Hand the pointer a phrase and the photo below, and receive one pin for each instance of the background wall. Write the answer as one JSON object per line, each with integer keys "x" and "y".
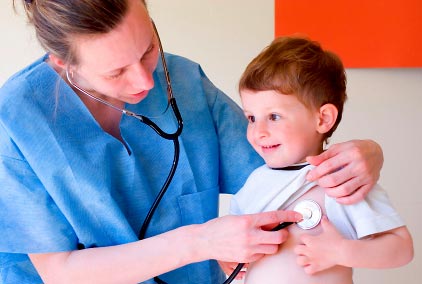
{"x": 384, "y": 104}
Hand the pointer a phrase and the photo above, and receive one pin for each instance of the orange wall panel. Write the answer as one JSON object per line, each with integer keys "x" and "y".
{"x": 364, "y": 33}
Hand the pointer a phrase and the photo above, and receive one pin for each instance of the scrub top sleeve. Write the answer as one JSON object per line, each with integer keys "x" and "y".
{"x": 237, "y": 157}
{"x": 30, "y": 221}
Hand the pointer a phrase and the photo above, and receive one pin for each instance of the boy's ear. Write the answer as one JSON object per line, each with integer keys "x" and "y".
{"x": 326, "y": 118}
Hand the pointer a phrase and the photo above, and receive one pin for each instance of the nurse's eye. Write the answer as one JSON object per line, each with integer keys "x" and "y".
{"x": 251, "y": 118}
{"x": 274, "y": 117}
{"x": 148, "y": 52}
{"x": 150, "y": 49}
{"x": 115, "y": 75}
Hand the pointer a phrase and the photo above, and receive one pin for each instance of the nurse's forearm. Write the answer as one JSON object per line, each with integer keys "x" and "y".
{"x": 128, "y": 263}
{"x": 228, "y": 238}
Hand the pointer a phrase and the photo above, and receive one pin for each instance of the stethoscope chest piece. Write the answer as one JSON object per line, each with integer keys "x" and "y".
{"x": 311, "y": 212}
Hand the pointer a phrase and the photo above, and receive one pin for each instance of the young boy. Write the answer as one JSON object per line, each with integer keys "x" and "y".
{"x": 293, "y": 94}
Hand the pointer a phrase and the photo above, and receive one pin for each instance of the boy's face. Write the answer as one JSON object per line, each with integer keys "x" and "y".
{"x": 281, "y": 129}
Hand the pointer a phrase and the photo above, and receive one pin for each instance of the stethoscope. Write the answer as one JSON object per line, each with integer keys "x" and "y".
{"x": 309, "y": 209}
{"x": 168, "y": 136}
{"x": 311, "y": 213}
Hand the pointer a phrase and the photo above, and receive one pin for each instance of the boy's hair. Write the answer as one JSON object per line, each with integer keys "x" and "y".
{"x": 298, "y": 66}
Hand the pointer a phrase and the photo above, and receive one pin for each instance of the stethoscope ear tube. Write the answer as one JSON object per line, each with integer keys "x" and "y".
{"x": 169, "y": 136}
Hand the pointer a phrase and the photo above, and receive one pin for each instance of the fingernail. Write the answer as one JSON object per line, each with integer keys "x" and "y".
{"x": 298, "y": 216}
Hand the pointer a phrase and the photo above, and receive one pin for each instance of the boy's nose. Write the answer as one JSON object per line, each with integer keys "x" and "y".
{"x": 261, "y": 129}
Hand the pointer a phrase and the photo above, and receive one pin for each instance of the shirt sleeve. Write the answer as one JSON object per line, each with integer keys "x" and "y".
{"x": 29, "y": 218}
{"x": 234, "y": 207}
{"x": 375, "y": 214}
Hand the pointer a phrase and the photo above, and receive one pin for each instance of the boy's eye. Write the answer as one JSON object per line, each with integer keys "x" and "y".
{"x": 251, "y": 118}
{"x": 274, "y": 117}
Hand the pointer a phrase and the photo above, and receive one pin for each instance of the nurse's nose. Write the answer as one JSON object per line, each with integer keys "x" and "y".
{"x": 141, "y": 77}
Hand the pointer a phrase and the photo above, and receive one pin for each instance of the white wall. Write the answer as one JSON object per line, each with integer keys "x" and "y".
{"x": 18, "y": 43}
{"x": 384, "y": 104}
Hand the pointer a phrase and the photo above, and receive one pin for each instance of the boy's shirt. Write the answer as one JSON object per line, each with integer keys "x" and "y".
{"x": 269, "y": 189}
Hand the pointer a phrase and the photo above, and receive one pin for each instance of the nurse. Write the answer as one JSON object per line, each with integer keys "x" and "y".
{"x": 78, "y": 177}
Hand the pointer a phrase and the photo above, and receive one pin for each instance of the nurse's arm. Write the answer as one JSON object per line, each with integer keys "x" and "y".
{"x": 126, "y": 263}
{"x": 228, "y": 238}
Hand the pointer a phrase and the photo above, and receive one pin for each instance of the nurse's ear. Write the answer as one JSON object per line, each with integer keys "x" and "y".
{"x": 327, "y": 117}
{"x": 57, "y": 62}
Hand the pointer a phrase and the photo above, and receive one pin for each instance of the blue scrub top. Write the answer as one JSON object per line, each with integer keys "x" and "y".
{"x": 65, "y": 183}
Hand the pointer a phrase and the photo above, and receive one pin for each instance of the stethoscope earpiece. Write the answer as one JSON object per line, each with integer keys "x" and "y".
{"x": 311, "y": 212}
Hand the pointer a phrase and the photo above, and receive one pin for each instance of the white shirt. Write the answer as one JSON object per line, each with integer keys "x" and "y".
{"x": 268, "y": 189}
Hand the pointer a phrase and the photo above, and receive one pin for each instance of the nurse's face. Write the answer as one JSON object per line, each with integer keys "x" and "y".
{"x": 118, "y": 66}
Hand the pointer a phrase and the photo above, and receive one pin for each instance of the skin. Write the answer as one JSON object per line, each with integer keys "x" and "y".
{"x": 389, "y": 249}
{"x": 284, "y": 132}
{"x": 122, "y": 72}
{"x": 360, "y": 163}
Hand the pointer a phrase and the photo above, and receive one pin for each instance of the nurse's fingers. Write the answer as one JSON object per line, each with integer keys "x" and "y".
{"x": 326, "y": 163}
{"x": 275, "y": 217}
{"x": 353, "y": 197}
{"x": 241, "y": 273}
{"x": 229, "y": 267}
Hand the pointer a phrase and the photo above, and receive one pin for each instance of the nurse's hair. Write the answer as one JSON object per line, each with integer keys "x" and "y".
{"x": 57, "y": 22}
{"x": 298, "y": 66}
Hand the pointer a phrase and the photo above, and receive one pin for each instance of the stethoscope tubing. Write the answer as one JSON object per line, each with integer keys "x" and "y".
{"x": 240, "y": 265}
{"x": 163, "y": 190}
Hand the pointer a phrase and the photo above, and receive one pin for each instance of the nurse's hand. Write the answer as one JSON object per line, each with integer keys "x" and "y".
{"x": 229, "y": 267}
{"x": 243, "y": 239}
{"x": 348, "y": 170}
